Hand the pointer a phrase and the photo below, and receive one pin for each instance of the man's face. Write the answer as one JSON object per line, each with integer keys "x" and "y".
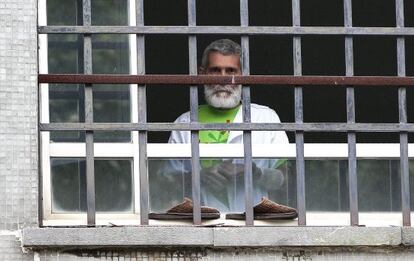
{"x": 223, "y": 96}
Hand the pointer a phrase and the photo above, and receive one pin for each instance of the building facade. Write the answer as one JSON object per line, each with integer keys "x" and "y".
{"x": 40, "y": 221}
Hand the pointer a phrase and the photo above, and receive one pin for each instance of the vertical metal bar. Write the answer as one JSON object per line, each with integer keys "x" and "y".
{"x": 247, "y": 134}
{"x": 142, "y": 118}
{"x": 402, "y": 105}
{"x": 195, "y": 152}
{"x": 90, "y": 168}
{"x": 299, "y": 135}
{"x": 350, "y": 101}
{"x": 404, "y": 167}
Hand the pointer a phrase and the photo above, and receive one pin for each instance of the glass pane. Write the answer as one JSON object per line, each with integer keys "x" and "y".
{"x": 110, "y": 54}
{"x": 64, "y": 12}
{"x": 169, "y": 183}
{"x": 109, "y": 12}
{"x": 68, "y": 185}
{"x": 326, "y": 181}
{"x": 113, "y": 185}
{"x": 104, "y": 12}
{"x": 222, "y": 183}
{"x": 111, "y": 102}
{"x": 326, "y": 185}
{"x": 65, "y": 55}
{"x": 379, "y": 185}
{"x": 65, "y": 106}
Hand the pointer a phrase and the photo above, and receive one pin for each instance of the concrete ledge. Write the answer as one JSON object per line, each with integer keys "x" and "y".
{"x": 117, "y": 236}
{"x": 408, "y": 236}
{"x": 216, "y": 236}
{"x": 307, "y": 236}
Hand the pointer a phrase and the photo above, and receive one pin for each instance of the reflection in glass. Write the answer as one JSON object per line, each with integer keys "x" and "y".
{"x": 104, "y": 12}
{"x": 64, "y": 12}
{"x": 222, "y": 184}
{"x": 112, "y": 103}
{"x": 109, "y": 12}
{"x": 169, "y": 183}
{"x": 113, "y": 185}
{"x": 379, "y": 187}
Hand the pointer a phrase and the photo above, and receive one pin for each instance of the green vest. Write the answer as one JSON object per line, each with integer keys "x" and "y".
{"x": 208, "y": 114}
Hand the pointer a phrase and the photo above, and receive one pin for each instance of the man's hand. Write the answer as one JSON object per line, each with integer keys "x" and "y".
{"x": 219, "y": 176}
{"x": 271, "y": 179}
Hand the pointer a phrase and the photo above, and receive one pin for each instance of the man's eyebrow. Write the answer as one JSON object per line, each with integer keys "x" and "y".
{"x": 223, "y": 67}
{"x": 213, "y": 68}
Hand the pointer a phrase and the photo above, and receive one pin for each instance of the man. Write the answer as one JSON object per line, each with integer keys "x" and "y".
{"x": 222, "y": 181}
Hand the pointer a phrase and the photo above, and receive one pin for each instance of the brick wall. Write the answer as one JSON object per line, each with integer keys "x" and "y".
{"x": 18, "y": 124}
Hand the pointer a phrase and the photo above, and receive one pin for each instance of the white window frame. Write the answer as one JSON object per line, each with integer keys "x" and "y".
{"x": 130, "y": 150}
{"x": 49, "y": 150}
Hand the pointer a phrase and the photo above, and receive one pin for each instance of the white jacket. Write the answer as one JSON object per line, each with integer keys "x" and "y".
{"x": 259, "y": 114}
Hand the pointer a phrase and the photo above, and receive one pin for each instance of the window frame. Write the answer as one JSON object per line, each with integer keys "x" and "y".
{"x": 70, "y": 149}
{"x": 111, "y": 150}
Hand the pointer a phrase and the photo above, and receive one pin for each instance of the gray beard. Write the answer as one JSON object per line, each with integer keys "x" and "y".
{"x": 223, "y": 96}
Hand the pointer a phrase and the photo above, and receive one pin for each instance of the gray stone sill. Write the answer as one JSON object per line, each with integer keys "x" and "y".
{"x": 188, "y": 236}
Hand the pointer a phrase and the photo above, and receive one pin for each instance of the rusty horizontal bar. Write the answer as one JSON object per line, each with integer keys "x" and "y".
{"x": 155, "y": 126}
{"x": 204, "y": 79}
{"x": 229, "y": 30}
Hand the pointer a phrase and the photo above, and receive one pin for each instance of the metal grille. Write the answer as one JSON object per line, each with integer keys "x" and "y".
{"x": 297, "y": 81}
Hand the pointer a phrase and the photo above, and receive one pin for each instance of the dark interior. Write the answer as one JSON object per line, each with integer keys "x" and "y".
{"x": 321, "y": 55}
{"x": 273, "y": 55}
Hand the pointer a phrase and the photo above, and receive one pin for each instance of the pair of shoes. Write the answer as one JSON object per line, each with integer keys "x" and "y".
{"x": 265, "y": 210}
{"x": 184, "y": 210}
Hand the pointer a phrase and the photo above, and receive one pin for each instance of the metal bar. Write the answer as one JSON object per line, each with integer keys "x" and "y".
{"x": 156, "y": 126}
{"x": 350, "y": 101}
{"x": 247, "y": 134}
{"x": 402, "y": 106}
{"x": 228, "y": 30}
{"x": 142, "y": 119}
{"x": 300, "y": 159}
{"x": 352, "y": 174}
{"x": 284, "y": 80}
{"x": 405, "y": 178}
{"x": 195, "y": 151}
{"x": 90, "y": 168}
{"x": 299, "y": 135}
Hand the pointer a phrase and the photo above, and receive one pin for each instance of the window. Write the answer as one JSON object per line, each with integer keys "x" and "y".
{"x": 283, "y": 39}
{"x": 63, "y": 153}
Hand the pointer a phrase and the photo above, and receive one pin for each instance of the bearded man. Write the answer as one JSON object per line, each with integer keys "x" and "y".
{"x": 221, "y": 180}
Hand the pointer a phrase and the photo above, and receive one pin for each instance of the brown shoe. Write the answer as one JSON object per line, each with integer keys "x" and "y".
{"x": 184, "y": 210}
{"x": 267, "y": 210}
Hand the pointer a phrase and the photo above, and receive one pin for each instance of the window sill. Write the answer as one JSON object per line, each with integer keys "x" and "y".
{"x": 313, "y": 218}
{"x": 190, "y": 236}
